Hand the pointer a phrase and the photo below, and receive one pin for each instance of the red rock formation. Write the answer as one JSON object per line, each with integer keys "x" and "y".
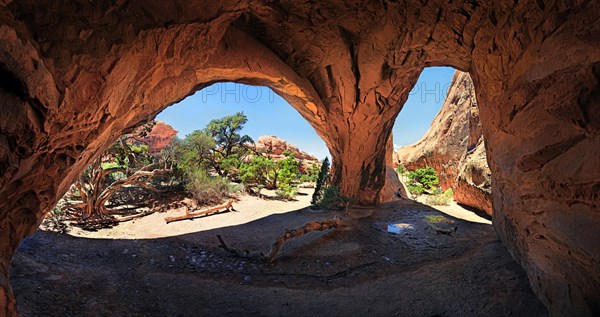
{"x": 159, "y": 137}
{"x": 276, "y": 147}
{"x": 472, "y": 186}
{"x": 454, "y": 147}
{"x": 76, "y": 75}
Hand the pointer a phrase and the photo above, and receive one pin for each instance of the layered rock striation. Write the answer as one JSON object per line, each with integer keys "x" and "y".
{"x": 455, "y": 148}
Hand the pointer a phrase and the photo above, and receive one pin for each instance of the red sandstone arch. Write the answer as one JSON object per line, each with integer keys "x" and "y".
{"x": 76, "y": 75}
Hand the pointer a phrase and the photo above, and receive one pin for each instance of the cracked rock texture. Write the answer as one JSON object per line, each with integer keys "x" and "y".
{"x": 454, "y": 147}
{"x": 74, "y": 75}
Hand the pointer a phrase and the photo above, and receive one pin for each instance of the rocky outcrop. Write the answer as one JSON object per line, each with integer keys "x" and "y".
{"x": 158, "y": 138}
{"x": 472, "y": 186}
{"x": 454, "y": 147}
{"x": 277, "y": 148}
{"x": 76, "y": 75}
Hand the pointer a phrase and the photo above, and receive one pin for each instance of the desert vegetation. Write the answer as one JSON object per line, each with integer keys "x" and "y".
{"x": 207, "y": 167}
{"x": 326, "y": 195}
{"x": 425, "y": 182}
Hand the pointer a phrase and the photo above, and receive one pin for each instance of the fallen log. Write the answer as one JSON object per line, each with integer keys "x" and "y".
{"x": 128, "y": 218}
{"x": 289, "y": 234}
{"x": 299, "y": 232}
{"x": 228, "y": 206}
{"x": 107, "y": 221}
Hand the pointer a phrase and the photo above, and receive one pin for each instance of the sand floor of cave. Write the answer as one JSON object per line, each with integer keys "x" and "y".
{"x": 247, "y": 208}
{"x": 358, "y": 269}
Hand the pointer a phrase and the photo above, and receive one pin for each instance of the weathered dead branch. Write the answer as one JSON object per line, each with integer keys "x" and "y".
{"x": 288, "y": 235}
{"x": 299, "y": 232}
{"x": 228, "y": 206}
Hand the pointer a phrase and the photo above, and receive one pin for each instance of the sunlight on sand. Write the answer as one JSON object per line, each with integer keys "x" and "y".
{"x": 247, "y": 209}
{"x": 457, "y": 211}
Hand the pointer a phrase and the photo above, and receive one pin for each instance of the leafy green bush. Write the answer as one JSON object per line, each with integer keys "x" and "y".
{"x": 311, "y": 174}
{"x": 191, "y": 153}
{"x": 230, "y": 146}
{"x": 449, "y": 192}
{"x": 422, "y": 179}
{"x": 332, "y": 198}
{"x": 107, "y": 165}
{"x": 206, "y": 189}
{"x": 438, "y": 219}
{"x": 327, "y": 196}
{"x": 235, "y": 188}
{"x": 439, "y": 198}
{"x": 322, "y": 181}
{"x": 400, "y": 169}
{"x": 260, "y": 170}
{"x": 288, "y": 170}
{"x": 306, "y": 178}
{"x": 286, "y": 192}
{"x": 416, "y": 189}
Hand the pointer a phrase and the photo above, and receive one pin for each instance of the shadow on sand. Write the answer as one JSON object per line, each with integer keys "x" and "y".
{"x": 358, "y": 269}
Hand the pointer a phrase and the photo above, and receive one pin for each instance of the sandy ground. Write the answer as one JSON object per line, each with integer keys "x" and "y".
{"x": 455, "y": 210}
{"x": 149, "y": 268}
{"x": 247, "y": 208}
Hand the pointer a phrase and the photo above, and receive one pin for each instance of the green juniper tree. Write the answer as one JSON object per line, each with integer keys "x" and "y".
{"x": 230, "y": 146}
{"x": 322, "y": 181}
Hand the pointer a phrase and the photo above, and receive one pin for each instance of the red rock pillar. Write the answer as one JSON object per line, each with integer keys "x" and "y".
{"x": 361, "y": 146}
{"x": 358, "y": 125}
{"x": 359, "y": 165}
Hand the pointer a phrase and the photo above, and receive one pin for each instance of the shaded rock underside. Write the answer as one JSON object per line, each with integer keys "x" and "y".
{"x": 357, "y": 270}
{"x": 76, "y": 75}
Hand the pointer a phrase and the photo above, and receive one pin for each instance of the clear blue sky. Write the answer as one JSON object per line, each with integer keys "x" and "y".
{"x": 424, "y": 102}
{"x": 269, "y": 114}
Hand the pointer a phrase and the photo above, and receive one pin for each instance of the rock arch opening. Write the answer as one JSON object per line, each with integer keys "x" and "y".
{"x": 78, "y": 75}
{"x": 155, "y": 166}
{"x": 452, "y": 145}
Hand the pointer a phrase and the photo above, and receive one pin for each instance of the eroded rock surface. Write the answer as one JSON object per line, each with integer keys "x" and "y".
{"x": 455, "y": 148}
{"x": 76, "y": 75}
{"x": 159, "y": 137}
{"x": 278, "y": 148}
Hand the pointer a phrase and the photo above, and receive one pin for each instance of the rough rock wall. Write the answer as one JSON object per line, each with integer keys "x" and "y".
{"x": 454, "y": 147}
{"x": 76, "y": 75}
{"x": 537, "y": 87}
{"x": 472, "y": 186}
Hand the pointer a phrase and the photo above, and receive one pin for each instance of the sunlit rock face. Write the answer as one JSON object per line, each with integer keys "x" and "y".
{"x": 159, "y": 137}
{"x": 278, "y": 148}
{"x": 76, "y": 75}
{"x": 455, "y": 148}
